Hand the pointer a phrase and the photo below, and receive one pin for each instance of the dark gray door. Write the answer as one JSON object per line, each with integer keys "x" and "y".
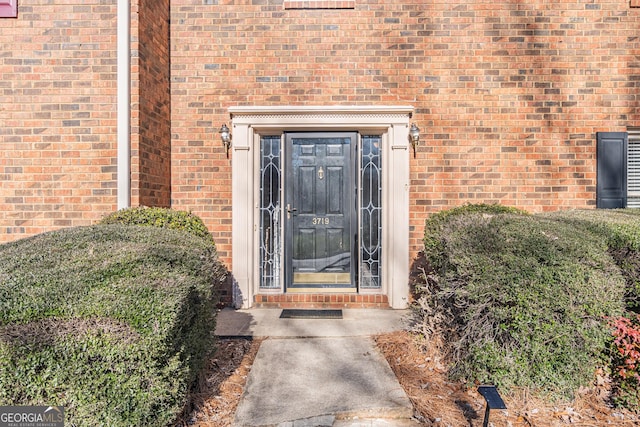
{"x": 320, "y": 211}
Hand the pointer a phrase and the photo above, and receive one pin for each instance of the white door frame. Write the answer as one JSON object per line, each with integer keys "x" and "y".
{"x": 391, "y": 122}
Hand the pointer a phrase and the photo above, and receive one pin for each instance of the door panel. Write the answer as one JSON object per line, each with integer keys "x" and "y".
{"x": 320, "y": 219}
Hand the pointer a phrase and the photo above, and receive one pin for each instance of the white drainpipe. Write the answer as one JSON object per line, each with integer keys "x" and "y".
{"x": 124, "y": 104}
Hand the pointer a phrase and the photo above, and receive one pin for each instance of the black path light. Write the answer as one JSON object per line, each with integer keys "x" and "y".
{"x": 493, "y": 399}
{"x": 225, "y": 135}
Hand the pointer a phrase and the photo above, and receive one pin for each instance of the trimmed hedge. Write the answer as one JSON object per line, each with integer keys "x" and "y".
{"x": 112, "y": 322}
{"x": 620, "y": 229}
{"x": 520, "y": 299}
{"x": 436, "y": 222}
{"x": 162, "y": 218}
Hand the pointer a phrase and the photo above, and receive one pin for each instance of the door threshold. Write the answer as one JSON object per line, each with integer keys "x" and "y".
{"x": 334, "y": 290}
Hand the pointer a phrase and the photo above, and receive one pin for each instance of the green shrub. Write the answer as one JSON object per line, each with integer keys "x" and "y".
{"x": 620, "y": 229}
{"x": 160, "y": 217}
{"x": 521, "y": 299}
{"x": 436, "y": 222}
{"x": 112, "y": 322}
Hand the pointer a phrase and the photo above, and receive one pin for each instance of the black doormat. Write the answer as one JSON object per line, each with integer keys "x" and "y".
{"x": 291, "y": 313}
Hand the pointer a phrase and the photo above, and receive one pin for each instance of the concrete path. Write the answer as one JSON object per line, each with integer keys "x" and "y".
{"x": 319, "y": 372}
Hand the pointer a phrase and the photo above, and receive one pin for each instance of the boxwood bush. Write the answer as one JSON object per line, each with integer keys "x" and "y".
{"x": 160, "y": 217}
{"x": 520, "y": 299}
{"x": 620, "y": 229}
{"x": 111, "y": 321}
{"x": 434, "y": 227}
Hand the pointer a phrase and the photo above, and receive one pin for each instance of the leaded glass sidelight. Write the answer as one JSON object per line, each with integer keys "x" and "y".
{"x": 270, "y": 228}
{"x": 370, "y": 213}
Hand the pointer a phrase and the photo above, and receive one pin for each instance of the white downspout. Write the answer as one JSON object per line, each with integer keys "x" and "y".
{"x": 124, "y": 104}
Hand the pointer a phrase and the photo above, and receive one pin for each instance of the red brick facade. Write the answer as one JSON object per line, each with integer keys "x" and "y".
{"x": 58, "y": 113}
{"x": 57, "y": 116}
{"x": 151, "y": 99}
{"x": 508, "y": 96}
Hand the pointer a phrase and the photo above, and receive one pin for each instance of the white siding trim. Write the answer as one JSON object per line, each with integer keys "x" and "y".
{"x": 124, "y": 104}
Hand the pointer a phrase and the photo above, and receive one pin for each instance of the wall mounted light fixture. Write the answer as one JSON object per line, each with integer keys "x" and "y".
{"x": 414, "y": 134}
{"x": 225, "y": 135}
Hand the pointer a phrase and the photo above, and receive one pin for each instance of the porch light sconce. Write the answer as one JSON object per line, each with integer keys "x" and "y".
{"x": 225, "y": 135}
{"x": 493, "y": 399}
{"x": 414, "y": 134}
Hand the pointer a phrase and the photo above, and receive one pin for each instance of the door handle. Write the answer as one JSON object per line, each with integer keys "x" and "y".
{"x": 290, "y": 210}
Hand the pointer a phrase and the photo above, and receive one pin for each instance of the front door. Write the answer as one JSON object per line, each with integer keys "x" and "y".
{"x": 320, "y": 212}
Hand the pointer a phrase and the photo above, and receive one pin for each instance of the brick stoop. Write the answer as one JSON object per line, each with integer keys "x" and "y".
{"x": 321, "y": 301}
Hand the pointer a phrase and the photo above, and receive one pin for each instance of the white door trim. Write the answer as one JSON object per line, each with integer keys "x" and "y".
{"x": 391, "y": 122}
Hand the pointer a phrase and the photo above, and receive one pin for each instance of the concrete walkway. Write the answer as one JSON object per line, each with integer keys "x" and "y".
{"x": 319, "y": 372}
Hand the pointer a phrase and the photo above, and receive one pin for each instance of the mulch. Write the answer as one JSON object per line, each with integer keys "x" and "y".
{"x": 220, "y": 386}
{"x": 440, "y": 402}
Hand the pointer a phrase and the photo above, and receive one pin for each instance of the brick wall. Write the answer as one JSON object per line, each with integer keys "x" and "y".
{"x": 151, "y": 130}
{"x": 511, "y": 97}
{"x": 57, "y": 115}
{"x": 200, "y": 94}
{"x": 508, "y": 95}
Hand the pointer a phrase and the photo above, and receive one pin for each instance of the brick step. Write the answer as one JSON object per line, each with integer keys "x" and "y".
{"x": 321, "y": 301}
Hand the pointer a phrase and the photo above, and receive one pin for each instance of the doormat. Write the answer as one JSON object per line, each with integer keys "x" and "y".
{"x": 290, "y": 313}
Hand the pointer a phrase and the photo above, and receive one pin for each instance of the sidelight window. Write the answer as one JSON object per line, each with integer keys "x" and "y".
{"x": 370, "y": 212}
{"x": 270, "y": 229}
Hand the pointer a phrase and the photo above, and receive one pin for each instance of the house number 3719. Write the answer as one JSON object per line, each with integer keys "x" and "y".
{"x": 320, "y": 221}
